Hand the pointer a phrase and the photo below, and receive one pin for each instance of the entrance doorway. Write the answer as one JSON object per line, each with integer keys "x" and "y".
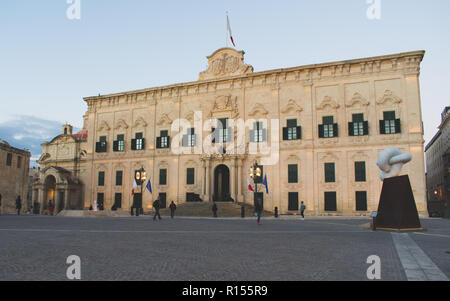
{"x": 221, "y": 184}
{"x": 50, "y": 191}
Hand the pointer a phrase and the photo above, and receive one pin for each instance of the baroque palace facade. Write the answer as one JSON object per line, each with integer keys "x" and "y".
{"x": 324, "y": 125}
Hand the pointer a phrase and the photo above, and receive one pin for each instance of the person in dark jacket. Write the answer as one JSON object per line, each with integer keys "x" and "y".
{"x": 302, "y": 210}
{"x": 214, "y": 209}
{"x": 259, "y": 209}
{"x": 18, "y": 204}
{"x": 172, "y": 207}
{"x": 157, "y": 206}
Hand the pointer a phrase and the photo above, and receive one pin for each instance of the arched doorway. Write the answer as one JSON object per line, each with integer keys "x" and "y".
{"x": 50, "y": 191}
{"x": 221, "y": 183}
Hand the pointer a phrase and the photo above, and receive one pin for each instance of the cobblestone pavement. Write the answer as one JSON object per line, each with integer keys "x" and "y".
{"x": 190, "y": 249}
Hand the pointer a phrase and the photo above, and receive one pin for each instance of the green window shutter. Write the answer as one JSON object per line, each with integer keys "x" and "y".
{"x": 382, "y": 127}
{"x": 398, "y": 127}
{"x": 299, "y": 132}
{"x": 321, "y": 134}
{"x": 366, "y": 128}
{"x": 351, "y": 129}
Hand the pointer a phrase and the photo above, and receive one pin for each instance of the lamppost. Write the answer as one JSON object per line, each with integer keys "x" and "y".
{"x": 256, "y": 175}
{"x": 141, "y": 176}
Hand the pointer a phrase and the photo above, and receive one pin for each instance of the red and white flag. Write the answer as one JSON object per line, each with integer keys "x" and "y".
{"x": 229, "y": 31}
{"x": 134, "y": 187}
{"x": 249, "y": 185}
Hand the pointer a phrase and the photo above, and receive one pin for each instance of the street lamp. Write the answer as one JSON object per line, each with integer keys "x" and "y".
{"x": 141, "y": 176}
{"x": 255, "y": 174}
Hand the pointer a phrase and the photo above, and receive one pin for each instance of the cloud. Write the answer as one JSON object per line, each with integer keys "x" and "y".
{"x": 29, "y": 132}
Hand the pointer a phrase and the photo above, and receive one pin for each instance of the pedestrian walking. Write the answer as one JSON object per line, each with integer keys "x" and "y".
{"x": 214, "y": 209}
{"x": 18, "y": 204}
{"x": 157, "y": 206}
{"x": 172, "y": 207}
{"x": 259, "y": 209}
{"x": 0, "y": 203}
{"x": 302, "y": 210}
{"x": 51, "y": 207}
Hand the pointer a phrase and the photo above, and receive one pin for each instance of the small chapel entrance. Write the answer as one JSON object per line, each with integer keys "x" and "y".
{"x": 221, "y": 184}
{"x": 50, "y": 191}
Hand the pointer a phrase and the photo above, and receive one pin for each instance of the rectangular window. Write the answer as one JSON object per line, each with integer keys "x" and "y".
{"x": 121, "y": 143}
{"x": 101, "y": 146}
{"x": 259, "y": 133}
{"x": 292, "y": 131}
{"x": 19, "y": 162}
{"x": 293, "y": 173}
{"x": 361, "y": 201}
{"x": 328, "y": 129}
{"x": 119, "y": 176}
{"x": 139, "y": 141}
{"x": 190, "y": 175}
{"x": 222, "y": 131}
{"x": 358, "y": 125}
{"x": 390, "y": 125}
{"x": 164, "y": 139}
{"x": 330, "y": 201}
{"x": 9, "y": 159}
{"x": 360, "y": 171}
{"x": 118, "y": 200}
{"x": 330, "y": 173}
{"x": 163, "y": 177}
{"x": 101, "y": 178}
{"x": 100, "y": 201}
{"x": 293, "y": 201}
{"x": 189, "y": 140}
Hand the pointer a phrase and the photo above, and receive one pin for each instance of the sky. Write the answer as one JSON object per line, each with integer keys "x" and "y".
{"x": 49, "y": 62}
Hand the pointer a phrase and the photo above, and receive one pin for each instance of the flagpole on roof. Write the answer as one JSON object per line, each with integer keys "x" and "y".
{"x": 226, "y": 30}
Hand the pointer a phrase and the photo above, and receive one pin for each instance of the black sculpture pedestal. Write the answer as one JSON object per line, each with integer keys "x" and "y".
{"x": 397, "y": 208}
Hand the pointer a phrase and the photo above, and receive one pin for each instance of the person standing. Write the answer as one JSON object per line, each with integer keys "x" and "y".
{"x": 214, "y": 209}
{"x": 302, "y": 210}
{"x": 18, "y": 204}
{"x": 0, "y": 203}
{"x": 259, "y": 209}
{"x": 172, "y": 207}
{"x": 157, "y": 206}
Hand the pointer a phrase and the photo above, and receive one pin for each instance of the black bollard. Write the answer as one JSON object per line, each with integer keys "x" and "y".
{"x": 276, "y": 212}
{"x": 242, "y": 211}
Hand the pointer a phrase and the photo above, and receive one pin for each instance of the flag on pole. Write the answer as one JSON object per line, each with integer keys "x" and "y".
{"x": 265, "y": 184}
{"x": 249, "y": 185}
{"x": 229, "y": 31}
{"x": 149, "y": 186}
{"x": 134, "y": 187}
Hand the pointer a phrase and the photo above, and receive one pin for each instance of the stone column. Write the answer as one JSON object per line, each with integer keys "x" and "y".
{"x": 233, "y": 179}
{"x": 208, "y": 181}
{"x": 240, "y": 196}
{"x": 66, "y": 199}
{"x": 41, "y": 200}
{"x": 57, "y": 200}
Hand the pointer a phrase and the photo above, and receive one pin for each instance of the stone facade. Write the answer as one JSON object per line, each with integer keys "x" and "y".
{"x": 313, "y": 97}
{"x": 438, "y": 168}
{"x": 14, "y": 166}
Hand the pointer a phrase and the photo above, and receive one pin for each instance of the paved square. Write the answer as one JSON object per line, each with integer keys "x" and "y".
{"x": 36, "y": 248}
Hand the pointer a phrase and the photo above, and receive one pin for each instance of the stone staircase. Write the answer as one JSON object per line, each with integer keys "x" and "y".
{"x": 204, "y": 209}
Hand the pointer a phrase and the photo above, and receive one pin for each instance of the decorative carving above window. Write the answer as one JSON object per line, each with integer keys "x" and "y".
{"x": 164, "y": 120}
{"x": 103, "y": 126}
{"x": 328, "y": 101}
{"x": 292, "y": 106}
{"x": 258, "y": 110}
{"x": 389, "y": 96}
{"x": 121, "y": 124}
{"x": 357, "y": 99}
{"x": 140, "y": 122}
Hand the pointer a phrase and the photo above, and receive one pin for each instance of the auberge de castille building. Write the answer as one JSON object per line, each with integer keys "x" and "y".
{"x": 323, "y": 124}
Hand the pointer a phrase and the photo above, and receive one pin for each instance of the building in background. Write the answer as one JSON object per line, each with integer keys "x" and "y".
{"x": 438, "y": 168}
{"x": 14, "y": 169}
{"x": 331, "y": 120}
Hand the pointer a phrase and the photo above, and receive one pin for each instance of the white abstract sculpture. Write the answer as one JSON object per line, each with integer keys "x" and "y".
{"x": 391, "y": 162}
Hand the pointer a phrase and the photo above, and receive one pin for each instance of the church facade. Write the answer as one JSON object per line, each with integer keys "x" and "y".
{"x": 315, "y": 130}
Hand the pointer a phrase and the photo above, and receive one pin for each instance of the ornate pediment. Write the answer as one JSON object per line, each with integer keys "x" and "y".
{"x": 164, "y": 120}
{"x": 140, "y": 122}
{"x": 258, "y": 110}
{"x": 225, "y": 62}
{"x": 103, "y": 126}
{"x": 357, "y": 99}
{"x": 292, "y": 106}
{"x": 121, "y": 124}
{"x": 44, "y": 157}
{"x": 328, "y": 101}
{"x": 225, "y": 103}
{"x": 389, "y": 96}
